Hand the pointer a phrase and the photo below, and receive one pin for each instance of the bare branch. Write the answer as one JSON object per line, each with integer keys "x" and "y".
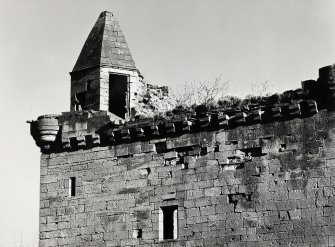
{"x": 200, "y": 92}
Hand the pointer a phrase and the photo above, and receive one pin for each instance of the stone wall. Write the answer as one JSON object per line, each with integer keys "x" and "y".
{"x": 85, "y": 86}
{"x": 92, "y": 87}
{"x": 259, "y": 185}
{"x": 114, "y": 172}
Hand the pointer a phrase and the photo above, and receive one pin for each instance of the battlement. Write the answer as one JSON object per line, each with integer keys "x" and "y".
{"x": 84, "y": 129}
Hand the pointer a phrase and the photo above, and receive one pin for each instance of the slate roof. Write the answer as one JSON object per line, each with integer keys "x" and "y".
{"x": 105, "y": 46}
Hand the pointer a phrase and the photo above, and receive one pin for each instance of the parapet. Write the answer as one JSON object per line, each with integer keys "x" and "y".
{"x": 86, "y": 129}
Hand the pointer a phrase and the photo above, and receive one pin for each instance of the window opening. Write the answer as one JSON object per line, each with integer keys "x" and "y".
{"x": 282, "y": 147}
{"x": 137, "y": 233}
{"x": 72, "y": 186}
{"x": 118, "y": 97}
{"x": 89, "y": 85}
{"x": 168, "y": 223}
{"x": 80, "y": 101}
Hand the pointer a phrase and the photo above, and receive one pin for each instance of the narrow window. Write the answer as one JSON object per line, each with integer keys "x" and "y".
{"x": 89, "y": 85}
{"x": 80, "y": 101}
{"x": 72, "y": 186}
{"x": 168, "y": 223}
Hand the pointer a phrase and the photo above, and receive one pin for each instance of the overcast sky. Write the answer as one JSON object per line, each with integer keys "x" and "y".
{"x": 281, "y": 41}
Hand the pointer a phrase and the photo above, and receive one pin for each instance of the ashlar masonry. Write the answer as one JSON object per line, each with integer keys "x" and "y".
{"x": 262, "y": 175}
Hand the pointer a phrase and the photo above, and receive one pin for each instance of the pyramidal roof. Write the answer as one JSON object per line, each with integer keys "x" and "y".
{"x": 105, "y": 46}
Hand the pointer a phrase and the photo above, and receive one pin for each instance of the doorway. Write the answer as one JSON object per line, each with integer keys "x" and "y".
{"x": 118, "y": 97}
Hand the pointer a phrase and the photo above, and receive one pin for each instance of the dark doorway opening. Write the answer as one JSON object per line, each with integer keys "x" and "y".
{"x": 118, "y": 99}
{"x": 170, "y": 222}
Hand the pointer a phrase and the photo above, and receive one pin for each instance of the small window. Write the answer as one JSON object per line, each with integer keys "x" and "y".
{"x": 89, "y": 85}
{"x": 79, "y": 101}
{"x": 168, "y": 223}
{"x": 137, "y": 233}
{"x": 282, "y": 147}
{"x": 72, "y": 186}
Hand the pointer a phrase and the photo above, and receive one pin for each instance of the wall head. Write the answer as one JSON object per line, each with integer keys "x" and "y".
{"x": 104, "y": 75}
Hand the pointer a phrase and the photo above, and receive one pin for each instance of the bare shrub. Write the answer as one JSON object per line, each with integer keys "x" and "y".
{"x": 199, "y": 97}
{"x": 260, "y": 89}
{"x": 200, "y": 92}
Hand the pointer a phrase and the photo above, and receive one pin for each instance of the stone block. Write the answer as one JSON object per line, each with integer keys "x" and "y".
{"x": 296, "y": 194}
{"x": 134, "y": 148}
{"x": 331, "y": 241}
{"x": 295, "y": 214}
{"x": 192, "y": 212}
{"x": 121, "y": 151}
{"x": 171, "y": 155}
{"x": 147, "y": 147}
{"x": 201, "y": 202}
{"x": 220, "y": 137}
{"x": 183, "y": 142}
{"x": 215, "y": 191}
{"x": 207, "y": 210}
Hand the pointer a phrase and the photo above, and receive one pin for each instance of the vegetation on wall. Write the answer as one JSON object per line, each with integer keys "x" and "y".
{"x": 205, "y": 96}
{"x": 200, "y": 97}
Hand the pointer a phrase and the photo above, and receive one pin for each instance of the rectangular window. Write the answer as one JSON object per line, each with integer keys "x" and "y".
{"x": 72, "y": 186}
{"x": 168, "y": 223}
{"x": 80, "y": 101}
{"x": 137, "y": 233}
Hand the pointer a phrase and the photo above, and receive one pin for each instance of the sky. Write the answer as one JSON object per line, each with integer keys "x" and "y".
{"x": 172, "y": 42}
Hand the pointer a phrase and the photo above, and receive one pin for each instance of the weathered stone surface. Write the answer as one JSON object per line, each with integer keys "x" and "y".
{"x": 263, "y": 175}
{"x": 269, "y": 198}
{"x": 105, "y": 45}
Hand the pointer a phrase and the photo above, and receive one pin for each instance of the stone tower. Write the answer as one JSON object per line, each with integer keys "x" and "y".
{"x": 104, "y": 76}
{"x": 260, "y": 174}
